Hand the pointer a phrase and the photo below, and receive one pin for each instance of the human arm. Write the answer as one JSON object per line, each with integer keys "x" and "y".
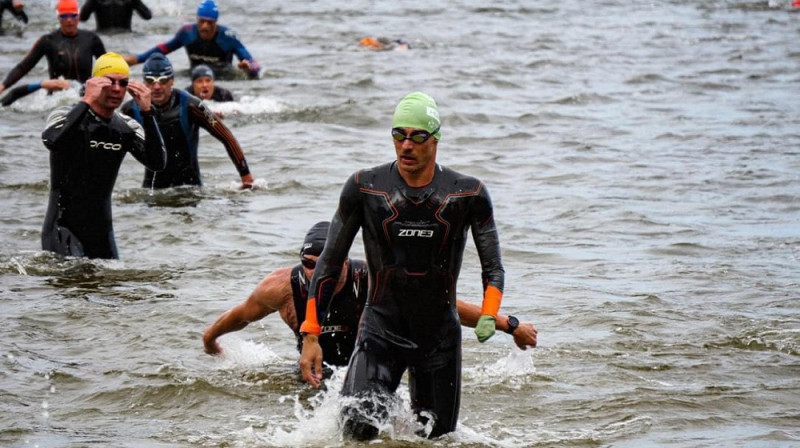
{"x": 487, "y": 242}
{"x": 525, "y": 335}
{"x": 246, "y": 61}
{"x": 60, "y": 124}
{"x": 142, "y": 9}
{"x": 87, "y": 9}
{"x": 208, "y": 121}
{"x": 18, "y": 11}
{"x": 344, "y": 226}
{"x": 274, "y": 293}
{"x": 181, "y": 38}
{"x": 26, "y": 64}
{"x": 153, "y": 154}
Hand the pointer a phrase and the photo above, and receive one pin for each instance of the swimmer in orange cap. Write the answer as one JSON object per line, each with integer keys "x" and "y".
{"x": 383, "y": 44}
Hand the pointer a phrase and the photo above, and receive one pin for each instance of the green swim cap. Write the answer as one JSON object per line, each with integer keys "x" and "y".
{"x": 418, "y": 110}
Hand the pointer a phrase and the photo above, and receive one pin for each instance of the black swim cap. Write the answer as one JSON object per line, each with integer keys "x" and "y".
{"x": 315, "y": 239}
{"x": 157, "y": 65}
{"x": 201, "y": 71}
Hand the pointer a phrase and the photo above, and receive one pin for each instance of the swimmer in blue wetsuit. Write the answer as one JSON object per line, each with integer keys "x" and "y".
{"x": 114, "y": 15}
{"x": 87, "y": 143}
{"x": 414, "y": 216}
{"x": 69, "y": 52}
{"x": 286, "y": 291}
{"x": 180, "y": 117}
{"x": 208, "y": 43}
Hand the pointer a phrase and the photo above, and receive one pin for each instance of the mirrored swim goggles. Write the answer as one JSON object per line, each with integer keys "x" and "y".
{"x": 121, "y": 82}
{"x": 157, "y": 79}
{"x": 419, "y": 136}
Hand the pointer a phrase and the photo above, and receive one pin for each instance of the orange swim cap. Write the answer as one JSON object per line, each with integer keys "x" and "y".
{"x": 370, "y": 42}
{"x": 67, "y": 7}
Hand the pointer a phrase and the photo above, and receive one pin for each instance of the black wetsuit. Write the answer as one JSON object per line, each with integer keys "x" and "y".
{"x": 86, "y": 151}
{"x": 220, "y": 94}
{"x": 414, "y": 240}
{"x": 18, "y": 14}
{"x": 70, "y": 57}
{"x": 113, "y": 15}
{"x": 180, "y": 120}
{"x": 340, "y": 327}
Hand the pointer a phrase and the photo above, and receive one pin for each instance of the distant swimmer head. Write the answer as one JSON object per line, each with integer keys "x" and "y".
{"x": 67, "y": 7}
{"x": 208, "y": 10}
{"x": 202, "y": 71}
{"x": 110, "y": 63}
{"x": 315, "y": 239}
{"x": 157, "y": 65}
{"x": 418, "y": 110}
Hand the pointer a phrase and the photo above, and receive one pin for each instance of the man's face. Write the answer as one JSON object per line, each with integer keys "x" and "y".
{"x": 203, "y": 87}
{"x": 412, "y": 157}
{"x": 113, "y": 94}
{"x": 206, "y": 28}
{"x": 160, "y": 88}
{"x": 68, "y": 24}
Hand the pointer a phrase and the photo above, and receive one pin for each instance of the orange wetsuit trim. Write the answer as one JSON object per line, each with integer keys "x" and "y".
{"x": 311, "y": 325}
{"x": 491, "y": 301}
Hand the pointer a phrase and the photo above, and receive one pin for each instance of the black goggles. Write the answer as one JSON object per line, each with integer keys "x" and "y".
{"x": 415, "y": 136}
{"x": 157, "y": 79}
{"x": 308, "y": 263}
{"x": 120, "y": 82}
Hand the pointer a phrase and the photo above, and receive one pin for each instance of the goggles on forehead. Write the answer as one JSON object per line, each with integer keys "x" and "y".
{"x": 157, "y": 79}
{"x": 419, "y": 136}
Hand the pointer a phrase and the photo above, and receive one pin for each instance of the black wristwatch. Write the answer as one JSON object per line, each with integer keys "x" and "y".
{"x": 513, "y": 323}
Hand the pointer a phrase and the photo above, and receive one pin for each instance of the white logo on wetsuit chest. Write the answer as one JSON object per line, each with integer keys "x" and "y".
{"x": 421, "y": 233}
{"x": 105, "y": 145}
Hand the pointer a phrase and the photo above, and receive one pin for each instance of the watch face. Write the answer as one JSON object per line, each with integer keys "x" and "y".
{"x": 513, "y": 323}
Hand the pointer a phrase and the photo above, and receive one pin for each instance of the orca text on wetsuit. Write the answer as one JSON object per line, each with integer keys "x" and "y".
{"x": 86, "y": 151}
{"x": 114, "y": 14}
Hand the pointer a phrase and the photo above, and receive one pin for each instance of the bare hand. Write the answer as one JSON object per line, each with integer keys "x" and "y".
{"x": 56, "y": 84}
{"x": 211, "y": 346}
{"x": 525, "y": 335}
{"x": 244, "y": 64}
{"x": 247, "y": 182}
{"x": 94, "y": 87}
{"x": 140, "y": 94}
{"x": 311, "y": 360}
{"x": 130, "y": 59}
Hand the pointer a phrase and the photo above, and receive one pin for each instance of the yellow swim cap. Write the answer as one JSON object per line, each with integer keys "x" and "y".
{"x": 110, "y": 63}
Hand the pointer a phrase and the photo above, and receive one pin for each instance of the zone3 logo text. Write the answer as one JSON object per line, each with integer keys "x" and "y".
{"x": 422, "y": 233}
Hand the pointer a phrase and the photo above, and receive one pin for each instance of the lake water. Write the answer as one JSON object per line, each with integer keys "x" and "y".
{"x": 644, "y": 162}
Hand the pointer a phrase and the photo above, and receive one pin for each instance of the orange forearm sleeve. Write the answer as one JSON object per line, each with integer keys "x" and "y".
{"x": 491, "y": 301}
{"x": 311, "y": 325}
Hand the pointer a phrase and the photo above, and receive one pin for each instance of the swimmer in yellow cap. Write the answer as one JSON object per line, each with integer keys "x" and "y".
{"x": 87, "y": 144}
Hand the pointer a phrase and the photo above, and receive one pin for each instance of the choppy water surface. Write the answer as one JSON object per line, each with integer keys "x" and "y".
{"x": 643, "y": 159}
